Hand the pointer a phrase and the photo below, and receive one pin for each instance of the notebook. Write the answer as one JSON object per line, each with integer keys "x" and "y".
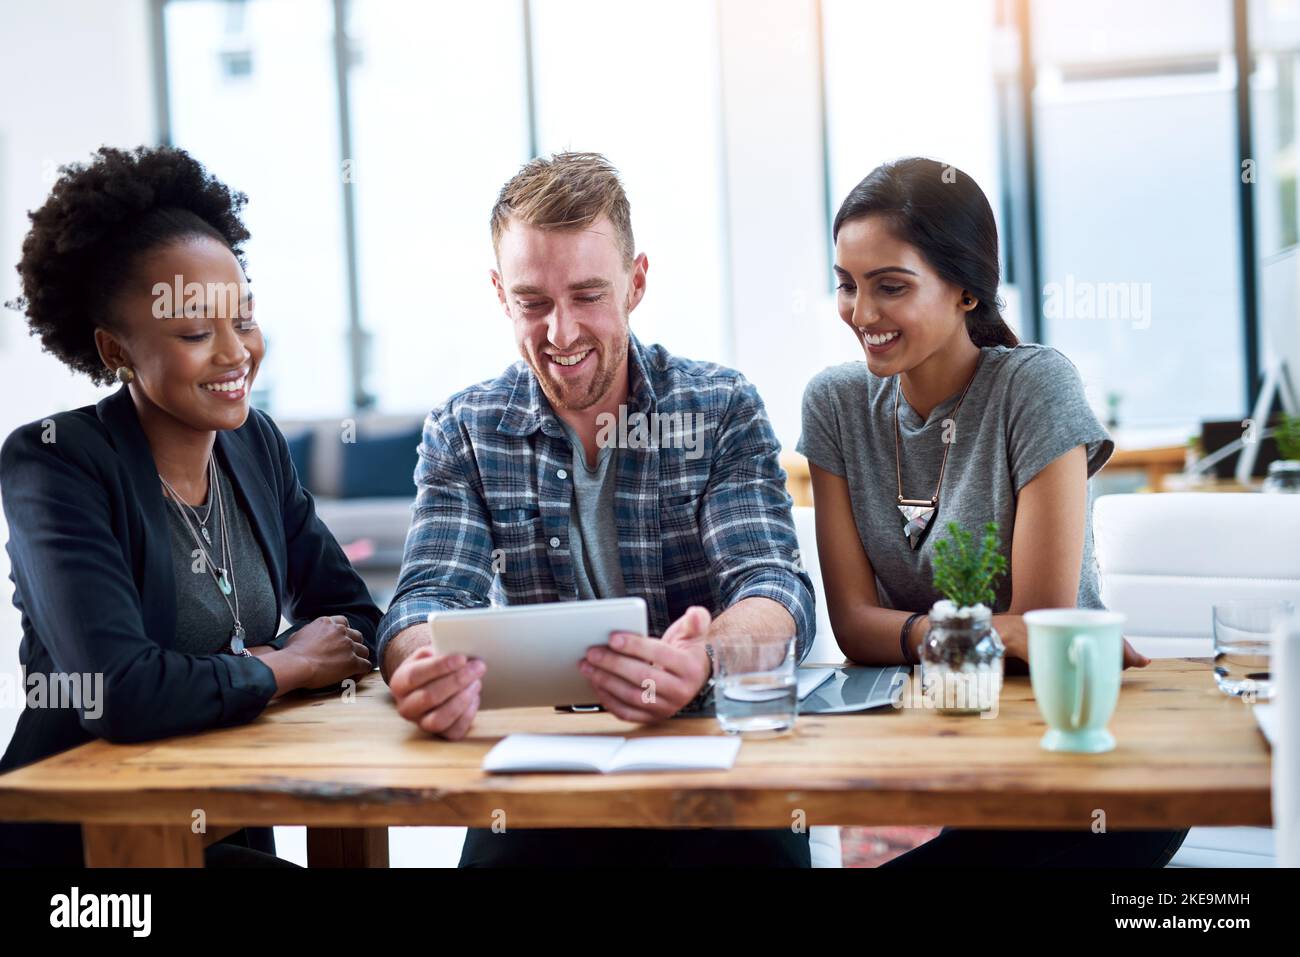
{"x": 607, "y": 754}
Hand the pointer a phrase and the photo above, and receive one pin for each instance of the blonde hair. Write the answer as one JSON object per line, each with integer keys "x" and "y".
{"x": 565, "y": 191}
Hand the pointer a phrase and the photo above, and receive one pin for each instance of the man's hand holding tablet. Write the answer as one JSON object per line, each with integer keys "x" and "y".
{"x": 643, "y": 679}
{"x": 634, "y": 677}
{"x": 440, "y": 693}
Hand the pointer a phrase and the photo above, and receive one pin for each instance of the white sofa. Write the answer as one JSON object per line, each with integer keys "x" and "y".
{"x": 824, "y": 649}
{"x": 1165, "y": 560}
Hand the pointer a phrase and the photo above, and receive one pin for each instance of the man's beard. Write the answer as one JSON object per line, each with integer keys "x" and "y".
{"x": 562, "y": 394}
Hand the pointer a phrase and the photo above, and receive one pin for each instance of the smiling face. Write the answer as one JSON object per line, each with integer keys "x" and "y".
{"x": 194, "y": 356}
{"x": 569, "y": 293}
{"x": 900, "y": 310}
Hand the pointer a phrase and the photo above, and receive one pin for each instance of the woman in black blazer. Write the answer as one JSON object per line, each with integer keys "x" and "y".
{"x": 133, "y": 523}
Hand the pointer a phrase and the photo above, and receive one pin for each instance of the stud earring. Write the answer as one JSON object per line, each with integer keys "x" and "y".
{"x": 125, "y": 374}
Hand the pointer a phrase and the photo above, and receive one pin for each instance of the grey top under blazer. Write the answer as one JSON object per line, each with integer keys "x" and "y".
{"x": 91, "y": 557}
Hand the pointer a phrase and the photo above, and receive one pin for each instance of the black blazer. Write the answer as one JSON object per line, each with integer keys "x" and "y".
{"x": 91, "y": 558}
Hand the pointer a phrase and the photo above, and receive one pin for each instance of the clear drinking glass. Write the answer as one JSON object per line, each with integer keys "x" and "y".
{"x": 1243, "y": 644}
{"x": 756, "y": 691}
{"x": 1283, "y": 477}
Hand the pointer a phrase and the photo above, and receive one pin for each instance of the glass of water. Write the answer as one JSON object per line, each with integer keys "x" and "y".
{"x": 756, "y": 691}
{"x": 1243, "y": 645}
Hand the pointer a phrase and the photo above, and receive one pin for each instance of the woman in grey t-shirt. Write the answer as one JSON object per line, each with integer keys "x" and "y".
{"x": 949, "y": 407}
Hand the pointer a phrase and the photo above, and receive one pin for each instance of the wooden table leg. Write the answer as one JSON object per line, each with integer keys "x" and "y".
{"x": 347, "y": 847}
{"x": 141, "y": 845}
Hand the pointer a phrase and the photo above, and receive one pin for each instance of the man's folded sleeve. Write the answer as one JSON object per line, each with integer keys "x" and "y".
{"x": 746, "y": 522}
{"x": 447, "y": 562}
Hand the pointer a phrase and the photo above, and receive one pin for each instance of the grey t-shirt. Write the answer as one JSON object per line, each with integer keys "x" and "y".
{"x": 593, "y": 533}
{"x": 203, "y": 619}
{"x": 1025, "y": 409}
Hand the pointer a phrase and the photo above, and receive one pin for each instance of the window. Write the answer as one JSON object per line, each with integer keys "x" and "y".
{"x": 252, "y": 96}
{"x": 910, "y": 79}
{"x": 439, "y": 122}
{"x": 655, "y": 115}
{"x": 1138, "y": 205}
{"x": 442, "y": 111}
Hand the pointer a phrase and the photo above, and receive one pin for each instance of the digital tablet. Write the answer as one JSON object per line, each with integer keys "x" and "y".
{"x": 532, "y": 651}
{"x": 846, "y": 689}
{"x": 854, "y": 688}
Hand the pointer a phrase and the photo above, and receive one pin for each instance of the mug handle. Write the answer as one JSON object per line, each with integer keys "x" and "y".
{"x": 1079, "y": 655}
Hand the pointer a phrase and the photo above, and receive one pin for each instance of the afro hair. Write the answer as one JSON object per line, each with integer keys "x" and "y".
{"x": 99, "y": 219}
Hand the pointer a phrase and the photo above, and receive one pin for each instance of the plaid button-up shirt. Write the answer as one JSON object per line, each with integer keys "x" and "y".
{"x": 703, "y": 520}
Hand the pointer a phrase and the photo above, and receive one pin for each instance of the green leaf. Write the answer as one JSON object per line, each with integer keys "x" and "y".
{"x": 965, "y": 573}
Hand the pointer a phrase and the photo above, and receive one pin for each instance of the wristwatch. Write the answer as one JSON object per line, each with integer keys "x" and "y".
{"x": 704, "y": 697}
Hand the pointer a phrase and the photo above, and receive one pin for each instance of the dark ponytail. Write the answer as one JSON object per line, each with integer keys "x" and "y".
{"x": 942, "y": 212}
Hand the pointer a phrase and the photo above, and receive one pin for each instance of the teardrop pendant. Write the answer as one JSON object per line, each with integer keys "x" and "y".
{"x": 223, "y": 583}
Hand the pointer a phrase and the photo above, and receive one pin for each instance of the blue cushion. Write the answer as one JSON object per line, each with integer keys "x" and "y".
{"x": 300, "y": 447}
{"x": 380, "y": 467}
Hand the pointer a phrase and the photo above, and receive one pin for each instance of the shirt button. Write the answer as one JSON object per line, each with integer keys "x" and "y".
{"x": 555, "y": 543}
{"x": 562, "y": 474}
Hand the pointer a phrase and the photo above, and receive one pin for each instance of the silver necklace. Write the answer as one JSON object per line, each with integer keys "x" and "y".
{"x": 201, "y": 519}
{"x": 222, "y": 576}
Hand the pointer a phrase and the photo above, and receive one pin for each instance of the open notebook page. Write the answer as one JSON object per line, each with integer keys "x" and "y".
{"x": 607, "y": 753}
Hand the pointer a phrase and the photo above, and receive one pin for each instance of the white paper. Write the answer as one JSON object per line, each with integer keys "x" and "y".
{"x": 552, "y": 752}
{"x": 677, "y": 753}
{"x": 810, "y": 679}
{"x": 607, "y": 753}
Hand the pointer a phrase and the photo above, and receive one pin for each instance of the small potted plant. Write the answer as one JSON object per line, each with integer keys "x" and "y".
{"x": 961, "y": 656}
{"x": 1284, "y": 474}
{"x": 1113, "y": 400}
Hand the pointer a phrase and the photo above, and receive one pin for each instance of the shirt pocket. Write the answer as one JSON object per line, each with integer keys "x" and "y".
{"x": 688, "y": 576}
{"x": 683, "y": 503}
{"x": 517, "y": 542}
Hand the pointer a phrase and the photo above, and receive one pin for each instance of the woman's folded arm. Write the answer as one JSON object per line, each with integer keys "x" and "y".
{"x": 75, "y": 586}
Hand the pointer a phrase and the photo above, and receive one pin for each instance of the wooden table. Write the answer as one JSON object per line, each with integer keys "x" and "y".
{"x": 1187, "y": 755}
{"x": 1154, "y": 463}
{"x": 798, "y": 478}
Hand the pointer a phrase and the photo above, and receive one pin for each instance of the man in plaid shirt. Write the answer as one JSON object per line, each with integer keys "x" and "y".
{"x": 597, "y": 467}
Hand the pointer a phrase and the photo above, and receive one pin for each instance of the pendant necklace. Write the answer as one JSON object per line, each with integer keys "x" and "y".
{"x": 221, "y": 575}
{"x": 919, "y": 513}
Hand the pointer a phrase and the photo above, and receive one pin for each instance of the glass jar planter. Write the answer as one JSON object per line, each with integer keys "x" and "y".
{"x": 961, "y": 660}
{"x": 1283, "y": 476}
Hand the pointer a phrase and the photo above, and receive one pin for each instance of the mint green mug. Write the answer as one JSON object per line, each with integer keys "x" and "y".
{"x": 1076, "y": 656}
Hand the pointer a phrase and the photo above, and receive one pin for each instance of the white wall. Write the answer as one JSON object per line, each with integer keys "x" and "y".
{"x": 75, "y": 75}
